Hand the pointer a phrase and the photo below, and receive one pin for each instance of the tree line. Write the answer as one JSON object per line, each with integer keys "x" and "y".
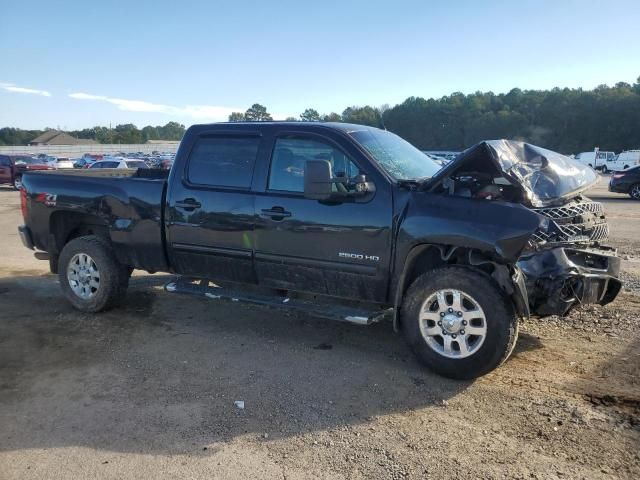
{"x": 125, "y": 133}
{"x": 562, "y": 119}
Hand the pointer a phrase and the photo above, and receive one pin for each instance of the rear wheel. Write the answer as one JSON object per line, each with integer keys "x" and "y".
{"x": 458, "y": 322}
{"x": 17, "y": 183}
{"x": 605, "y": 170}
{"x": 90, "y": 275}
{"x": 634, "y": 191}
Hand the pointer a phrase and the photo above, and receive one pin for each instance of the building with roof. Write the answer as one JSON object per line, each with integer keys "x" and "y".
{"x": 55, "y": 137}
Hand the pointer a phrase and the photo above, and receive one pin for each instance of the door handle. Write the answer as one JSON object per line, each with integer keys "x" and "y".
{"x": 276, "y": 213}
{"x": 188, "y": 204}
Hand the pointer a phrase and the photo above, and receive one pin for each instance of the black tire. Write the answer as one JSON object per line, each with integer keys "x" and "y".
{"x": 604, "y": 169}
{"x": 17, "y": 182}
{"x": 500, "y": 319}
{"x": 634, "y": 191}
{"x": 113, "y": 277}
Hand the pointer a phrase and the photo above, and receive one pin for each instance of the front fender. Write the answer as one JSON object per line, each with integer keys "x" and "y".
{"x": 498, "y": 231}
{"x": 499, "y": 228}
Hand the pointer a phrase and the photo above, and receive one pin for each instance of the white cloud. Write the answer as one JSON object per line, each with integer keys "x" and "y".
{"x": 86, "y": 96}
{"x": 9, "y": 87}
{"x": 198, "y": 112}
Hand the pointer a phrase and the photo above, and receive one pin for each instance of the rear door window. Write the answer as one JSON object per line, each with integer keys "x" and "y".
{"x": 223, "y": 161}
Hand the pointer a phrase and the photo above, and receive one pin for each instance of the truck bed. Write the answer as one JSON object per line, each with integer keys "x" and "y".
{"x": 128, "y": 204}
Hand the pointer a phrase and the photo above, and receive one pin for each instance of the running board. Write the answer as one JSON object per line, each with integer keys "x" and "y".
{"x": 333, "y": 312}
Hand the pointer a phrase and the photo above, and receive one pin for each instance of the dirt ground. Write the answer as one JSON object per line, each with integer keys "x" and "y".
{"x": 148, "y": 390}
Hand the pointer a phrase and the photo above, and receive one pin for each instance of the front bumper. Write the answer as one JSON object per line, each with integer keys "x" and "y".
{"x": 560, "y": 278}
{"x": 25, "y": 236}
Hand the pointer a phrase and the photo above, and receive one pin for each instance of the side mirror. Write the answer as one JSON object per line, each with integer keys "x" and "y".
{"x": 318, "y": 180}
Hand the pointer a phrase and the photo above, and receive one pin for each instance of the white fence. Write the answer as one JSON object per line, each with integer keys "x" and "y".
{"x": 74, "y": 151}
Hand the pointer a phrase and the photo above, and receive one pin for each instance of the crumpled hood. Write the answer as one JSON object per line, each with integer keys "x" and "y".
{"x": 545, "y": 176}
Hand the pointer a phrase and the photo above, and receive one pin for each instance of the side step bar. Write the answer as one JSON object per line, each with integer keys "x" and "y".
{"x": 333, "y": 312}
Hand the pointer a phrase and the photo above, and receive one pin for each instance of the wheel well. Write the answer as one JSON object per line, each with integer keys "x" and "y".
{"x": 429, "y": 257}
{"x": 436, "y": 256}
{"x": 65, "y": 226}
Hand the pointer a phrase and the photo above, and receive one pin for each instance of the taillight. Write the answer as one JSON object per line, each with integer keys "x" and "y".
{"x": 23, "y": 202}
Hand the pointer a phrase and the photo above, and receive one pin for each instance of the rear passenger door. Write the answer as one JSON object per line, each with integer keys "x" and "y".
{"x": 210, "y": 208}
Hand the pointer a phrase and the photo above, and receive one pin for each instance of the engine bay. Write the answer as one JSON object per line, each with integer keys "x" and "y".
{"x": 481, "y": 185}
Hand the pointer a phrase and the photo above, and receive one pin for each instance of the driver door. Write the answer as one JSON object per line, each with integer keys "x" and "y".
{"x": 331, "y": 248}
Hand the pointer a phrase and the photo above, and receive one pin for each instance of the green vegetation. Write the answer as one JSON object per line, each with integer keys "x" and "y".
{"x": 127, "y": 133}
{"x": 255, "y": 113}
{"x": 566, "y": 120}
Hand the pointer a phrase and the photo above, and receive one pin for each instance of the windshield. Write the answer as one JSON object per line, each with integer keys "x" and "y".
{"x": 398, "y": 157}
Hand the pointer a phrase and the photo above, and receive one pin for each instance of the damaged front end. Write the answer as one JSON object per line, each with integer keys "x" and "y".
{"x": 564, "y": 263}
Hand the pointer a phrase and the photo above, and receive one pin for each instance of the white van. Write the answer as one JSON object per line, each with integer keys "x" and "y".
{"x": 595, "y": 159}
{"x": 624, "y": 160}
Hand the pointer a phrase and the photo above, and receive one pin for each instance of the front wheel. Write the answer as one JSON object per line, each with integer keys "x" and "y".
{"x": 634, "y": 191}
{"x": 17, "y": 183}
{"x": 90, "y": 275}
{"x": 458, "y": 322}
{"x": 605, "y": 170}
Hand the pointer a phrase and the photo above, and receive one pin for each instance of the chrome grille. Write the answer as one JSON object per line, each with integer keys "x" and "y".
{"x": 579, "y": 222}
{"x": 573, "y": 210}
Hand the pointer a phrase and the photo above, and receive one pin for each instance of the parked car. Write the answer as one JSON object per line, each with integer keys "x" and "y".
{"x": 627, "y": 181}
{"x": 343, "y": 221}
{"x": 64, "y": 162}
{"x": 119, "y": 163}
{"x": 13, "y": 166}
{"x": 595, "y": 159}
{"x": 624, "y": 160}
{"x": 7, "y": 170}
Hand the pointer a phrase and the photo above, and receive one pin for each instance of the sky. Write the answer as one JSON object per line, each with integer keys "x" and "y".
{"x": 78, "y": 64}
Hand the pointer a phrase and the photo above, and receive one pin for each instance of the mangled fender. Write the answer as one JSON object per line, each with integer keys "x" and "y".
{"x": 500, "y": 229}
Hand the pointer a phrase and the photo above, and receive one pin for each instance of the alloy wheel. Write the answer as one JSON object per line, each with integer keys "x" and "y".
{"x": 83, "y": 276}
{"x": 453, "y": 323}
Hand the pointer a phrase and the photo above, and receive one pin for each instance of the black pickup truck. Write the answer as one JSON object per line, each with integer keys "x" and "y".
{"x": 343, "y": 221}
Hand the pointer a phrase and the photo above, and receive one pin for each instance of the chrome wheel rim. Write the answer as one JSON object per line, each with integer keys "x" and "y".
{"x": 453, "y": 323}
{"x": 17, "y": 183}
{"x": 83, "y": 276}
{"x": 635, "y": 192}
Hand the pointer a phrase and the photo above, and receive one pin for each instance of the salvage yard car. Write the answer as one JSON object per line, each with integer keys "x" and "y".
{"x": 342, "y": 221}
{"x": 627, "y": 181}
{"x": 13, "y": 166}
